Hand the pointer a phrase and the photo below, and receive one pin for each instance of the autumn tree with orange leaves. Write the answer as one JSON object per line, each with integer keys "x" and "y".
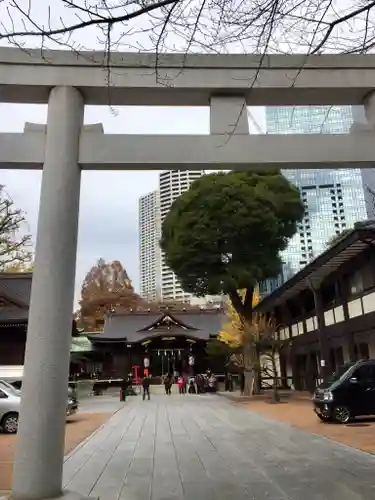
{"x": 106, "y": 288}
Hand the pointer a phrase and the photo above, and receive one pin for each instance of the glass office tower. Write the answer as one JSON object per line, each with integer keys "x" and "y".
{"x": 333, "y": 199}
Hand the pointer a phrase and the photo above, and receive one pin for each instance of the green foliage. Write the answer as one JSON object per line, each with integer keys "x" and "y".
{"x": 216, "y": 348}
{"x": 337, "y": 237}
{"x": 226, "y": 232}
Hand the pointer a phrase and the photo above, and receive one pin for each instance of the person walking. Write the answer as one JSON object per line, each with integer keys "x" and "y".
{"x": 180, "y": 385}
{"x": 192, "y": 389}
{"x": 185, "y": 378}
{"x": 168, "y": 384}
{"x": 146, "y": 387}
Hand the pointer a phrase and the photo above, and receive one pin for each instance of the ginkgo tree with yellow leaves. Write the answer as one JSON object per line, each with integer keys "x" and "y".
{"x": 252, "y": 343}
{"x": 242, "y": 336}
{"x": 225, "y": 234}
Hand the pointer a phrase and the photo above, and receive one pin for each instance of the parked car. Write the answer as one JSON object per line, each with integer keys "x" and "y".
{"x": 348, "y": 393}
{"x": 10, "y": 400}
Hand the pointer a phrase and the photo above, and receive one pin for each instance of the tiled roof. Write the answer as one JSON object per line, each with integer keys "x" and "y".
{"x": 16, "y": 286}
{"x": 345, "y": 249}
{"x": 135, "y": 327}
{"x": 13, "y": 314}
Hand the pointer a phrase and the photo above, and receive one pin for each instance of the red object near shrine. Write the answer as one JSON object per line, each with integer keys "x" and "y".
{"x": 135, "y": 372}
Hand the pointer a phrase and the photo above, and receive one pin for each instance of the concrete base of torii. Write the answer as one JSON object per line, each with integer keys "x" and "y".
{"x": 65, "y": 495}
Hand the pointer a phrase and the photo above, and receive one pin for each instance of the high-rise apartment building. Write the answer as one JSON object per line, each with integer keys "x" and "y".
{"x": 149, "y": 248}
{"x": 172, "y": 184}
{"x": 333, "y": 199}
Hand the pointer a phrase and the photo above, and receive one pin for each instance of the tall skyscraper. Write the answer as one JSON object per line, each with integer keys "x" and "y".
{"x": 149, "y": 248}
{"x": 333, "y": 199}
{"x": 309, "y": 119}
{"x": 368, "y": 174}
{"x": 172, "y": 184}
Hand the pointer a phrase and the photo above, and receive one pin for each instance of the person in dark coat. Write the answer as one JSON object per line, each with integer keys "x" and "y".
{"x": 192, "y": 387}
{"x": 146, "y": 387}
{"x": 168, "y": 384}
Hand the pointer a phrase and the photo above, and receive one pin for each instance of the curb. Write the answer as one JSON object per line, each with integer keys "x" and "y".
{"x": 87, "y": 438}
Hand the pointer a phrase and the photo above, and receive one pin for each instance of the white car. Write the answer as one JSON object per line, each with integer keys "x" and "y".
{"x": 10, "y": 401}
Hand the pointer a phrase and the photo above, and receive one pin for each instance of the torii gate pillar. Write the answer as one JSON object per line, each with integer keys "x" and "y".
{"x": 40, "y": 445}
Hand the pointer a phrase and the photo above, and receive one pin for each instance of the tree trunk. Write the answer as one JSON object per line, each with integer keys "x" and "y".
{"x": 242, "y": 307}
{"x": 275, "y": 390}
{"x": 257, "y": 375}
{"x": 249, "y": 383}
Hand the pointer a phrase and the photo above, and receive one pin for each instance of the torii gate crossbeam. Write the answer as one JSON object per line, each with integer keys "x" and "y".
{"x": 99, "y": 151}
{"x": 26, "y": 76}
{"x": 68, "y": 81}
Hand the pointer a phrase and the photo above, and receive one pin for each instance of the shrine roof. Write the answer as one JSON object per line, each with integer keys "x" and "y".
{"x": 10, "y": 315}
{"x": 15, "y": 292}
{"x": 136, "y": 327}
{"x": 16, "y": 286}
{"x": 15, "y": 289}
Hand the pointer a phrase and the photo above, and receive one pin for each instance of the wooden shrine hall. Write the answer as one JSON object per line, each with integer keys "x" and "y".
{"x": 157, "y": 342}
{"x": 15, "y": 290}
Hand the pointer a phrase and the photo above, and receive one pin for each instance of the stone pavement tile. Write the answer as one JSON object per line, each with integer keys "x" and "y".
{"x": 206, "y": 448}
{"x": 299, "y": 413}
{"x": 229, "y": 490}
{"x": 135, "y": 488}
{"x": 82, "y": 469}
{"x": 192, "y": 471}
{"x": 161, "y": 490}
{"x": 331, "y": 488}
{"x": 78, "y": 457}
{"x": 199, "y": 490}
{"x": 110, "y": 482}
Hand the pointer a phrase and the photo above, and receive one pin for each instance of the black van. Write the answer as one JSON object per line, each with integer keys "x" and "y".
{"x": 348, "y": 393}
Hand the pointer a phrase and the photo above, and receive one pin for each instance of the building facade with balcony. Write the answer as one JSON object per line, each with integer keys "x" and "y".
{"x": 326, "y": 312}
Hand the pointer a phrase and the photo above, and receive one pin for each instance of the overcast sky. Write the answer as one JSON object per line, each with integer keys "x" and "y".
{"x": 108, "y": 225}
{"x": 109, "y": 200}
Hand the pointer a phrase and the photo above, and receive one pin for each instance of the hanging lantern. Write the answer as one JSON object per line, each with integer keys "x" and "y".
{"x": 158, "y": 353}
{"x": 191, "y": 360}
{"x": 146, "y": 362}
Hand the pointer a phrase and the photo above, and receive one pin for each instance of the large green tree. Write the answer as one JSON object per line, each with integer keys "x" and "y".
{"x": 226, "y": 232}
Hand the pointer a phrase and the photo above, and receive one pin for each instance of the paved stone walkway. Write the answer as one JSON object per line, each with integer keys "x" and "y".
{"x": 205, "y": 448}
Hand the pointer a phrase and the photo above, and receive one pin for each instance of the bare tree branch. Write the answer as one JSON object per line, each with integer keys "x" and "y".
{"x": 15, "y": 247}
{"x": 94, "y": 19}
{"x": 217, "y": 26}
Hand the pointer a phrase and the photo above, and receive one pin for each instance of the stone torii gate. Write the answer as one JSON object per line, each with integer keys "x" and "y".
{"x": 67, "y": 81}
